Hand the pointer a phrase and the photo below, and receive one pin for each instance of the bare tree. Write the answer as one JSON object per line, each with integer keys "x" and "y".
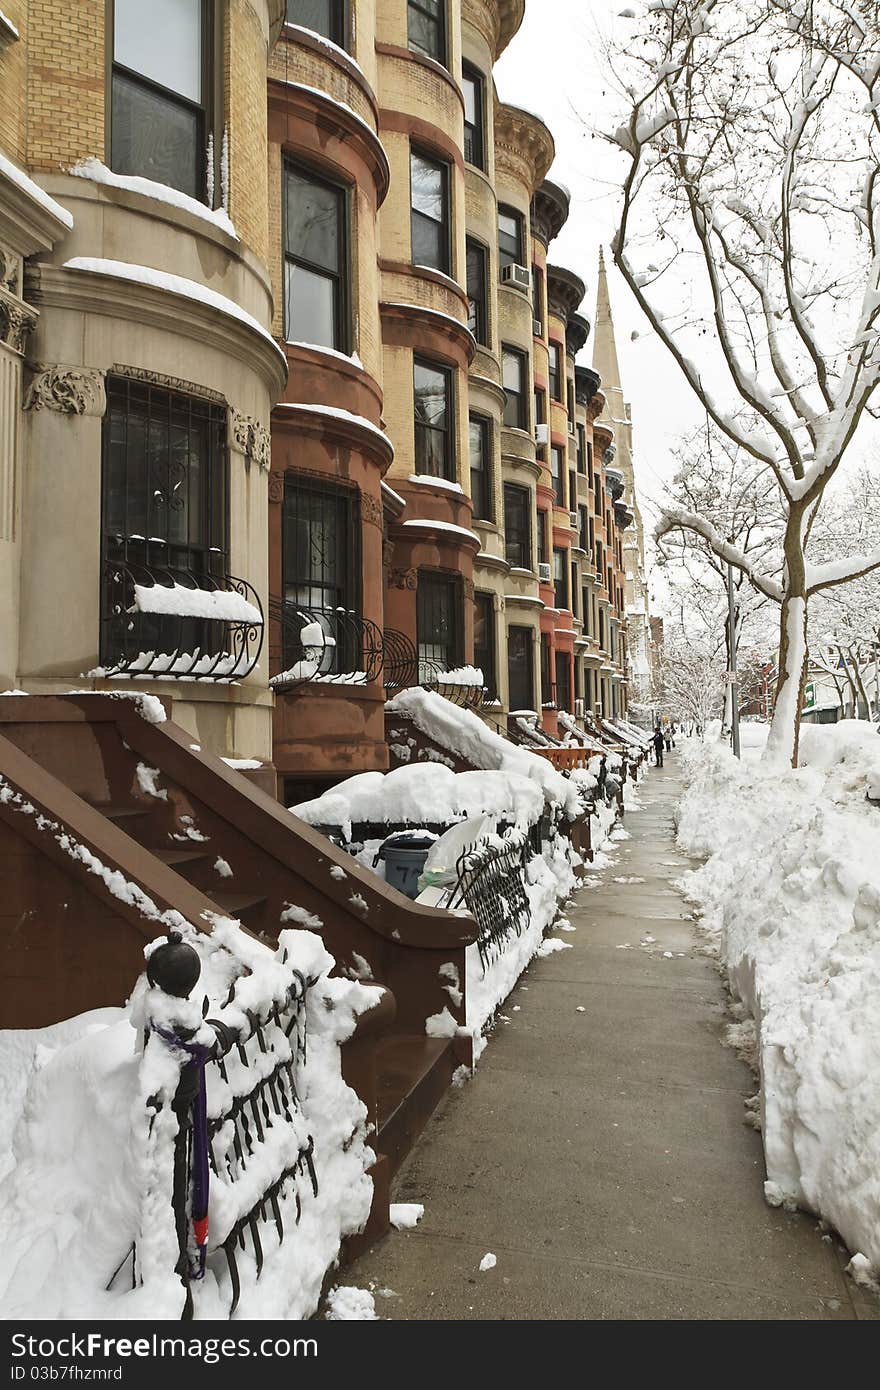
{"x": 749, "y": 236}
{"x": 691, "y": 677}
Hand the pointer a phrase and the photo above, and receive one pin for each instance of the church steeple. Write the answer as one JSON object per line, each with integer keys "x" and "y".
{"x": 604, "y": 347}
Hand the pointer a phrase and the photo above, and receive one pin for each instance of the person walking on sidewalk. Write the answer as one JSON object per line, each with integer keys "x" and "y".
{"x": 658, "y": 746}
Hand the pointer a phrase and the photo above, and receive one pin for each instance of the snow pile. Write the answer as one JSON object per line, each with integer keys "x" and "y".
{"x": 464, "y": 733}
{"x": 791, "y": 896}
{"x": 186, "y": 601}
{"x": 89, "y": 1177}
{"x": 424, "y": 793}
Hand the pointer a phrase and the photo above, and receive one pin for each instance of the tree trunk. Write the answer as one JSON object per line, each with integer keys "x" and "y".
{"x": 782, "y": 741}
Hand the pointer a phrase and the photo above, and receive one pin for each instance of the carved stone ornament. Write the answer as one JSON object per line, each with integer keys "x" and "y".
{"x": 387, "y": 553}
{"x": 69, "y": 390}
{"x": 404, "y": 579}
{"x": 276, "y": 487}
{"x": 250, "y": 438}
{"x": 16, "y": 322}
{"x": 371, "y": 510}
{"x": 468, "y": 586}
{"x": 10, "y": 270}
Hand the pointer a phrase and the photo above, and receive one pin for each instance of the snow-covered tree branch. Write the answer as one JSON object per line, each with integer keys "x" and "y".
{"x": 749, "y": 234}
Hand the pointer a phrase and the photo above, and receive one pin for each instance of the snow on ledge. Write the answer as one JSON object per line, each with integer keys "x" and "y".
{"x": 96, "y": 172}
{"x": 443, "y": 526}
{"x": 173, "y": 284}
{"x": 350, "y": 357}
{"x": 222, "y": 604}
{"x": 7, "y": 24}
{"x": 34, "y": 191}
{"x": 333, "y": 412}
{"x": 431, "y": 481}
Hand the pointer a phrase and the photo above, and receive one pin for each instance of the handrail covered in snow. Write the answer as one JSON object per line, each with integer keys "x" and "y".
{"x": 177, "y": 623}
{"x": 491, "y": 883}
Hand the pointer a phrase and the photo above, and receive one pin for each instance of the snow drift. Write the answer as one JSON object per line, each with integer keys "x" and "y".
{"x": 790, "y": 894}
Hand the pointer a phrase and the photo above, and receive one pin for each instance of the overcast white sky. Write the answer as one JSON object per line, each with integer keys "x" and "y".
{"x": 556, "y": 67}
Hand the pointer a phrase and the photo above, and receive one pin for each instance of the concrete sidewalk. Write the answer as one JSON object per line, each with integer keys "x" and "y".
{"x": 602, "y": 1156}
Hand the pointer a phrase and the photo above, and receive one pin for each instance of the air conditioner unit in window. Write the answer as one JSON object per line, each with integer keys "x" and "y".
{"x": 578, "y": 709}
{"x": 514, "y": 274}
{"x": 575, "y": 521}
{"x": 537, "y": 330}
{"x": 542, "y": 434}
{"x": 544, "y": 574}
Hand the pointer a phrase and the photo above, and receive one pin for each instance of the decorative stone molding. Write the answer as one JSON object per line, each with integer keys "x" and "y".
{"x": 468, "y": 587}
{"x": 168, "y": 383}
{"x": 10, "y": 270}
{"x": 276, "y": 487}
{"x": 371, "y": 510}
{"x": 524, "y": 147}
{"x": 404, "y": 579}
{"x": 549, "y": 211}
{"x": 69, "y": 390}
{"x": 249, "y": 437}
{"x": 16, "y": 322}
{"x": 387, "y": 553}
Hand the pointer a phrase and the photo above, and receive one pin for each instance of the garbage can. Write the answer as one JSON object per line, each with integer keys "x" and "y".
{"x": 404, "y": 855}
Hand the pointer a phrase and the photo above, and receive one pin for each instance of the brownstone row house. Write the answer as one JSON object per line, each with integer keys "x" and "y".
{"x": 280, "y": 327}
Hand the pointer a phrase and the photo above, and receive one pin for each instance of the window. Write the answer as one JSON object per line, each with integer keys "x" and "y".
{"x": 538, "y": 297}
{"x": 484, "y": 643}
{"x": 514, "y": 375}
{"x": 560, "y": 580}
{"x": 315, "y": 261}
{"x": 474, "y": 120}
{"x": 426, "y": 28}
{"x": 584, "y": 529}
{"x": 517, "y": 526}
{"x": 520, "y": 672}
{"x": 556, "y": 371}
{"x": 546, "y": 678}
{"x": 164, "y": 507}
{"x": 160, "y": 86}
{"x": 439, "y": 625}
{"x": 574, "y": 588}
{"x": 324, "y": 17}
{"x": 581, "y": 449}
{"x": 432, "y": 394}
{"x": 570, "y": 407}
{"x": 563, "y": 681}
{"x": 540, "y": 407}
{"x": 320, "y": 566}
{"x": 572, "y": 490}
{"x": 557, "y": 471}
{"x": 510, "y": 236}
{"x": 542, "y": 538}
{"x": 478, "y": 317}
{"x": 585, "y": 610}
{"x": 481, "y": 475}
{"x": 589, "y": 463}
{"x": 429, "y": 221}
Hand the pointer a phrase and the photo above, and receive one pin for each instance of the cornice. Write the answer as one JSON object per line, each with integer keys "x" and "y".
{"x": 565, "y": 290}
{"x": 577, "y": 331}
{"x": 586, "y": 386}
{"x": 147, "y": 305}
{"x": 550, "y": 209}
{"x": 524, "y": 146}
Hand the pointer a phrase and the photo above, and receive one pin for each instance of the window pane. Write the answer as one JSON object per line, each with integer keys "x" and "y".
{"x": 313, "y": 220}
{"x": 512, "y": 372}
{"x": 425, "y": 28}
{"x": 430, "y": 395}
{"x": 161, "y": 41}
{"x": 427, "y": 186}
{"x": 322, "y": 16}
{"x": 310, "y": 306}
{"x": 477, "y": 440}
{"x": 427, "y": 243}
{"x": 154, "y": 137}
{"x": 476, "y": 291}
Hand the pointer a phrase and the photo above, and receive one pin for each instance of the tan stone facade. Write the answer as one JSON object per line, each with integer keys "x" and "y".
{"x": 134, "y": 312}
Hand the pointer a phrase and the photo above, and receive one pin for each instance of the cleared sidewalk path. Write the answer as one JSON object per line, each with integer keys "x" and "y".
{"x": 602, "y": 1156}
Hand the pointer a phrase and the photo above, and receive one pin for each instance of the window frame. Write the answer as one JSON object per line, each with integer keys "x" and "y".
{"x": 448, "y": 431}
{"x": 481, "y": 318}
{"x": 560, "y": 600}
{"x": 442, "y": 22}
{"x": 538, "y": 296}
{"x": 451, "y": 583}
{"x": 484, "y": 424}
{"x": 486, "y": 600}
{"x": 521, "y": 396}
{"x": 507, "y": 209}
{"x": 417, "y": 151}
{"x": 558, "y": 479}
{"x": 556, "y": 375}
{"x": 211, "y": 108}
{"x": 525, "y": 637}
{"x": 472, "y": 74}
{"x": 342, "y": 317}
{"x": 523, "y": 558}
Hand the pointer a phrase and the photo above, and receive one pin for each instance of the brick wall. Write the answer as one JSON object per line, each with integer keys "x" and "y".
{"x": 65, "y": 83}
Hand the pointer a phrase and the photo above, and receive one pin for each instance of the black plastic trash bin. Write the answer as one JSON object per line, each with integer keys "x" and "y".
{"x": 404, "y": 857}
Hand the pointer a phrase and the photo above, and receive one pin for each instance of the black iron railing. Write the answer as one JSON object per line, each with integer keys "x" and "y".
{"x": 251, "y": 1083}
{"x": 176, "y": 623}
{"x": 404, "y": 667}
{"x": 491, "y": 883}
{"x": 333, "y": 645}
